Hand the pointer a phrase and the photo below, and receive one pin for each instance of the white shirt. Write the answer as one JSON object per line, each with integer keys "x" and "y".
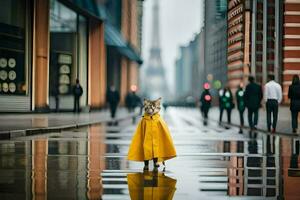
{"x": 273, "y": 91}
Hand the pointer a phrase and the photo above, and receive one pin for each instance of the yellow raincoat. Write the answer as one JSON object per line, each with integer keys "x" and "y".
{"x": 150, "y": 186}
{"x": 152, "y": 139}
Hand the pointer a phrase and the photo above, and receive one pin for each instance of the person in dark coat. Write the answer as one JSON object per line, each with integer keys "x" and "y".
{"x": 205, "y": 101}
{"x": 132, "y": 100}
{"x": 56, "y": 96}
{"x": 227, "y": 104}
{"x": 113, "y": 99}
{"x": 239, "y": 95}
{"x": 221, "y": 106}
{"x": 252, "y": 98}
{"x": 77, "y": 92}
{"x": 294, "y": 95}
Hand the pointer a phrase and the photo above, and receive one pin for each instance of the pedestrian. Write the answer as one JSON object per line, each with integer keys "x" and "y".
{"x": 152, "y": 139}
{"x": 132, "y": 100}
{"x": 252, "y": 98}
{"x": 239, "y": 95}
{"x": 227, "y": 104}
{"x": 77, "y": 92}
{"x": 56, "y": 96}
{"x": 205, "y": 100}
{"x": 129, "y": 101}
{"x": 273, "y": 97}
{"x": 294, "y": 95}
{"x": 221, "y": 106}
{"x": 113, "y": 98}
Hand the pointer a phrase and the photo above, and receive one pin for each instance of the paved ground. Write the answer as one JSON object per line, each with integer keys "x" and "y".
{"x": 213, "y": 162}
{"x": 17, "y": 124}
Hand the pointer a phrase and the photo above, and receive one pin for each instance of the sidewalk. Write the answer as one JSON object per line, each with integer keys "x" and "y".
{"x": 14, "y": 125}
{"x": 283, "y": 124}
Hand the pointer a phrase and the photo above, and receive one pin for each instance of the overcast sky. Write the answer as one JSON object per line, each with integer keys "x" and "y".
{"x": 179, "y": 21}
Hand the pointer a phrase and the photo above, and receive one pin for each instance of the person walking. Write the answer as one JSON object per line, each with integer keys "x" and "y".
{"x": 129, "y": 101}
{"x": 252, "y": 98}
{"x": 113, "y": 98}
{"x": 294, "y": 96}
{"x": 205, "y": 100}
{"x": 77, "y": 92}
{"x": 239, "y": 95}
{"x": 132, "y": 100}
{"x": 227, "y": 104}
{"x": 273, "y": 97}
{"x": 221, "y": 105}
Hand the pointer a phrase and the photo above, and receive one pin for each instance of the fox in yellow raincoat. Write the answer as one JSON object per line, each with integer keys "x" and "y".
{"x": 152, "y": 139}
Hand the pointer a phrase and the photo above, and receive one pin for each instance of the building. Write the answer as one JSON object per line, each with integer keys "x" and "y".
{"x": 290, "y": 43}
{"x": 239, "y": 35}
{"x": 263, "y": 39}
{"x": 123, "y": 62}
{"x": 45, "y": 45}
{"x": 215, "y": 28}
{"x": 189, "y": 68}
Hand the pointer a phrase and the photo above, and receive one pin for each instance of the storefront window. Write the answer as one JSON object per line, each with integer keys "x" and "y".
{"x": 63, "y": 32}
{"x": 12, "y": 47}
{"x": 68, "y": 53}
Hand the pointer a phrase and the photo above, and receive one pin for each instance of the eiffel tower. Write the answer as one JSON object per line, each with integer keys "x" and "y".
{"x": 156, "y": 85}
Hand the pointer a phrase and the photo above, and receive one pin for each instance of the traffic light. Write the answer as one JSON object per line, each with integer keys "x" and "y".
{"x": 133, "y": 88}
{"x": 207, "y": 97}
{"x": 240, "y": 93}
{"x": 206, "y": 86}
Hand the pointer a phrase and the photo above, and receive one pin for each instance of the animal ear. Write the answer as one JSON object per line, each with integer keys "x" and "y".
{"x": 158, "y": 100}
{"x": 146, "y": 102}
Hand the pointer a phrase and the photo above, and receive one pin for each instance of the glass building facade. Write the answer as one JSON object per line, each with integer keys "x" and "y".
{"x": 68, "y": 55}
{"x": 15, "y": 56}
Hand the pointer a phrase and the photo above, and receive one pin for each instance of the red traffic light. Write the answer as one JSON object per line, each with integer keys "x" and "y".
{"x": 207, "y": 97}
{"x": 206, "y": 86}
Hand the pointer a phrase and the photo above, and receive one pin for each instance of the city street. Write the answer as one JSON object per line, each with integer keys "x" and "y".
{"x": 213, "y": 162}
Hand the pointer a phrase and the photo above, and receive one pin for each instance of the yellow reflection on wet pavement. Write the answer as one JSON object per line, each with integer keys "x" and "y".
{"x": 151, "y": 185}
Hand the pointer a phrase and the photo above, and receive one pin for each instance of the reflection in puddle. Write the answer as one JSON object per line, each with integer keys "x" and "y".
{"x": 270, "y": 167}
{"x": 93, "y": 167}
{"x": 151, "y": 185}
{"x": 45, "y": 169}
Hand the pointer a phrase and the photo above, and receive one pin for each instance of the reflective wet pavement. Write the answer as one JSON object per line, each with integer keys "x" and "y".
{"x": 90, "y": 163}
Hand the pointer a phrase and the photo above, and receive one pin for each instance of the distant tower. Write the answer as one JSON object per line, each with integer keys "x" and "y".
{"x": 156, "y": 85}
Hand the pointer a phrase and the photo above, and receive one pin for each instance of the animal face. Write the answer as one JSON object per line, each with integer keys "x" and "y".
{"x": 152, "y": 107}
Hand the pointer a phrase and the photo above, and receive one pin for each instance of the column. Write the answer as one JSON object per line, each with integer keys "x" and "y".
{"x": 97, "y": 65}
{"x": 265, "y": 38}
{"x": 253, "y": 41}
{"x": 278, "y": 35}
{"x": 41, "y": 55}
{"x": 132, "y": 74}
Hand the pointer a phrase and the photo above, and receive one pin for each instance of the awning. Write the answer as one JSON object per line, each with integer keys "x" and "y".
{"x": 89, "y": 8}
{"x": 114, "y": 38}
{"x": 112, "y": 35}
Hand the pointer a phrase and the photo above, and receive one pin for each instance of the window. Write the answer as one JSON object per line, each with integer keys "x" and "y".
{"x": 68, "y": 53}
{"x": 68, "y": 36}
{"x": 12, "y": 47}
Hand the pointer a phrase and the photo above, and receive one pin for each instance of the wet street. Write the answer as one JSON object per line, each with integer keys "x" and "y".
{"x": 213, "y": 162}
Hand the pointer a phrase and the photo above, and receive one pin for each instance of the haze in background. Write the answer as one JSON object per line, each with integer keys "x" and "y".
{"x": 179, "y": 21}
